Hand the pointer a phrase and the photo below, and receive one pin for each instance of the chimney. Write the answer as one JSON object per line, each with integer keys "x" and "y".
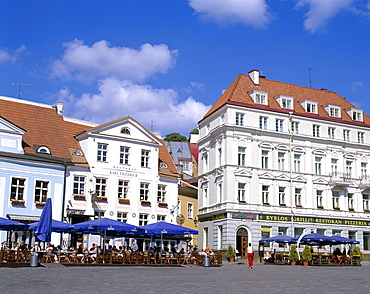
{"x": 59, "y": 108}
{"x": 255, "y": 76}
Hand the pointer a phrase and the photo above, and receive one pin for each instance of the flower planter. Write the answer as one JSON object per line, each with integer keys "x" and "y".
{"x": 232, "y": 259}
{"x": 145, "y": 203}
{"x": 366, "y": 210}
{"x": 351, "y": 209}
{"x": 293, "y": 262}
{"x": 40, "y": 204}
{"x": 320, "y": 207}
{"x": 305, "y": 263}
{"x": 124, "y": 201}
{"x": 79, "y": 197}
{"x": 101, "y": 199}
{"x": 18, "y": 202}
{"x": 336, "y": 208}
{"x": 162, "y": 205}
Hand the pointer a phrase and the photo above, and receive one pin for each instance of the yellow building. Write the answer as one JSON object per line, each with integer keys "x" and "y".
{"x": 188, "y": 208}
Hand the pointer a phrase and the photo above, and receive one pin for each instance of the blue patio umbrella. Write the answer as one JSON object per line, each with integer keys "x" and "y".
{"x": 342, "y": 240}
{"x": 44, "y": 227}
{"x": 10, "y": 225}
{"x": 168, "y": 229}
{"x": 280, "y": 239}
{"x": 56, "y": 226}
{"x": 109, "y": 226}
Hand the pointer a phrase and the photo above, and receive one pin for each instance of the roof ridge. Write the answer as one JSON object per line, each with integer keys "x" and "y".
{"x": 17, "y": 100}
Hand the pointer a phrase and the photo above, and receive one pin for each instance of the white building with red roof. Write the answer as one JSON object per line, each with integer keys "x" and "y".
{"x": 277, "y": 158}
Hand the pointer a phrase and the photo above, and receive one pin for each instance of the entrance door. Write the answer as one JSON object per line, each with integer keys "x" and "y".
{"x": 244, "y": 249}
{"x": 242, "y": 242}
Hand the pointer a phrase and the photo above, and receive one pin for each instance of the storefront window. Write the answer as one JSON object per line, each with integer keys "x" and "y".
{"x": 366, "y": 241}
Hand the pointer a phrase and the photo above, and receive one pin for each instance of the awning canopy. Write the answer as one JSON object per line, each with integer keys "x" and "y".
{"x": 18, "y": 217}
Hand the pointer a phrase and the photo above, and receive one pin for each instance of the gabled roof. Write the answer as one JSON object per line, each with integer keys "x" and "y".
{"x": 237, "y": 94}
{"x": 164, "y": 156}
{"x": 43, "y": 126}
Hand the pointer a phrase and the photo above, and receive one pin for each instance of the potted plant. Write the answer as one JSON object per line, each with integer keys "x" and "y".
{"x": 230, "y": 253}
{"x": 293, "y": 255}
{"x": 306, "y": 255}
{"x": 357, "y": 254}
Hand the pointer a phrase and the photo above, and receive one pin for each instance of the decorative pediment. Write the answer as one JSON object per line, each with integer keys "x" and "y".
{"x": 218, "y": 172}
{"x": 300, "y": 179}
{"x": 242, "y": 173}
{"x": 10, "y": 137}
{"x": 320, "y": 181}
{"x": 266, "y": 176}
{"x": 282, "y": 177}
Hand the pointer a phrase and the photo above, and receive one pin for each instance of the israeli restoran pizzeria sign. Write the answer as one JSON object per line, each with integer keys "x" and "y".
{"x": 313, "y": 220}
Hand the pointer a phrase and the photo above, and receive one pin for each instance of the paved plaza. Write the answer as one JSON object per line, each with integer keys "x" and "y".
{"x": 230, "y": 278}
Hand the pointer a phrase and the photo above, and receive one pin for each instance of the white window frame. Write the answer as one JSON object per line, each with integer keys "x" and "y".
{"x": 349, "y": 169}
{"x": 297, "y": 160}
{"x": 41, "y": 191}
{"x": 366, "y": 201}
{"x": 241, "y": 192}
{"x": 335, "y": 195}
{"x": 122, "y": 216}
{"x": 350, "y": 200}
{"x": 361, "y": 137}
{"x": 265, "y": 194}
{"x": 282, "y": 195}
{"x": 143, "y": 219}
{"x": 281, "y": 160}
{"x": 145, "y": 155}
{"x": 298, "y": 197}
{"x": 363, "y": 170}
{"x": 239, "y": 119}
{"x": 144, "y": 191}
{"x": 346, "y": 135}
{"x": 241, "y": 155}
{"x": 319, "y": 198}
{"x": 124, "y": 155}
{"x": 102, "y": 152}
{"x": 295, "y": 127}
{"x": 316, "y": 130}
{"x": 79, "y": 183}
{"x": 318, "y": 165}
{"x": 161, "y": 193}
{"x": 101, "y": 187}
{"x": 279, "y": 125}
{"x": 263, "y": 122}
{"x": 331, "y": 133}
{"x": 265, "y": 158}
{"x": 123, "y": 189}
{"x": 190, "y": 210}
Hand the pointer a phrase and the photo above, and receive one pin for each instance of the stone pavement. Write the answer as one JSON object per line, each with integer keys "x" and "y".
{"x": 230, "y": 278}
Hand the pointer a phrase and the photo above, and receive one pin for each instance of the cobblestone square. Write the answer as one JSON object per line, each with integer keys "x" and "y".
{"x": 230, "y": 278}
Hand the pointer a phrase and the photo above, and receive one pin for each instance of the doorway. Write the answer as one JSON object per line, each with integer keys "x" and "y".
{"x": 242, "y": 242}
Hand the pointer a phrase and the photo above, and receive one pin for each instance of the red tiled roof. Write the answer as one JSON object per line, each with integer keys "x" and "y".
{"x": 237, "y": 94}
{"x": 43, "y": 126}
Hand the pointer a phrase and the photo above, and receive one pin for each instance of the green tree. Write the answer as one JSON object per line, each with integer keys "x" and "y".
{"x": 293, "y": 254}
{"x": 175, "y": 137}
{"x": 194, "y": 131}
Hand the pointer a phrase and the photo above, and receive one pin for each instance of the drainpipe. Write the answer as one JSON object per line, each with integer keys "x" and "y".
{"x": 291, "y": 169}
{"x": 64, "y": 197}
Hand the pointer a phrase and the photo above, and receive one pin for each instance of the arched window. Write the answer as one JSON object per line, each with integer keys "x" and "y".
{"x": 125, "y": 131}
{"x": 43, "y": 149}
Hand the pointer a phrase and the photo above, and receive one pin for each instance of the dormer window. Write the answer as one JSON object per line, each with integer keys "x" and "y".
{"x": 259, "y": 97}
{"x": 43, "y": 149}
{"x": 285, "y": 101}
{"x": 125, "y": 131}
{"x": 77, "y": 152}
{"x": 333, "y": 110}
{"x": 355, "y": 114}
{"x": 309, "y": 106}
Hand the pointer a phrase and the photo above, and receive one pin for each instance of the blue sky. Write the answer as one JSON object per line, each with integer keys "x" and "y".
{"x": 165, "y": 62}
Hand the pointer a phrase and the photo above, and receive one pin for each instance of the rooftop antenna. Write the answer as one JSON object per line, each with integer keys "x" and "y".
{"x": 311, "y": 74}
{"x": 152, "y": 126}
{"x": 20, "y": 88}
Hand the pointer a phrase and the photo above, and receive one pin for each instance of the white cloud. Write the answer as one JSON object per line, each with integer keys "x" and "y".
{"x": 356, "y": 85}
{"x": 321, "y": 11}
{"x": 249, "y": 12}
{"x": 11, "y": 55}
{"x": 117, "y": 98}
{"x": 193, "y": 87}
{"x": 86, "y": 63}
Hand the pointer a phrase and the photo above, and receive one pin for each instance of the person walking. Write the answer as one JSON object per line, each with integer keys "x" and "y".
{"x": 250, "y": 255}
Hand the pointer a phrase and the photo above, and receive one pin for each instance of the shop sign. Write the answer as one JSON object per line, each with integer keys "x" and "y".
{"x": 314, "y": 220}
{"x": 244, "y": 215}
{"x": 76, "y": 212}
